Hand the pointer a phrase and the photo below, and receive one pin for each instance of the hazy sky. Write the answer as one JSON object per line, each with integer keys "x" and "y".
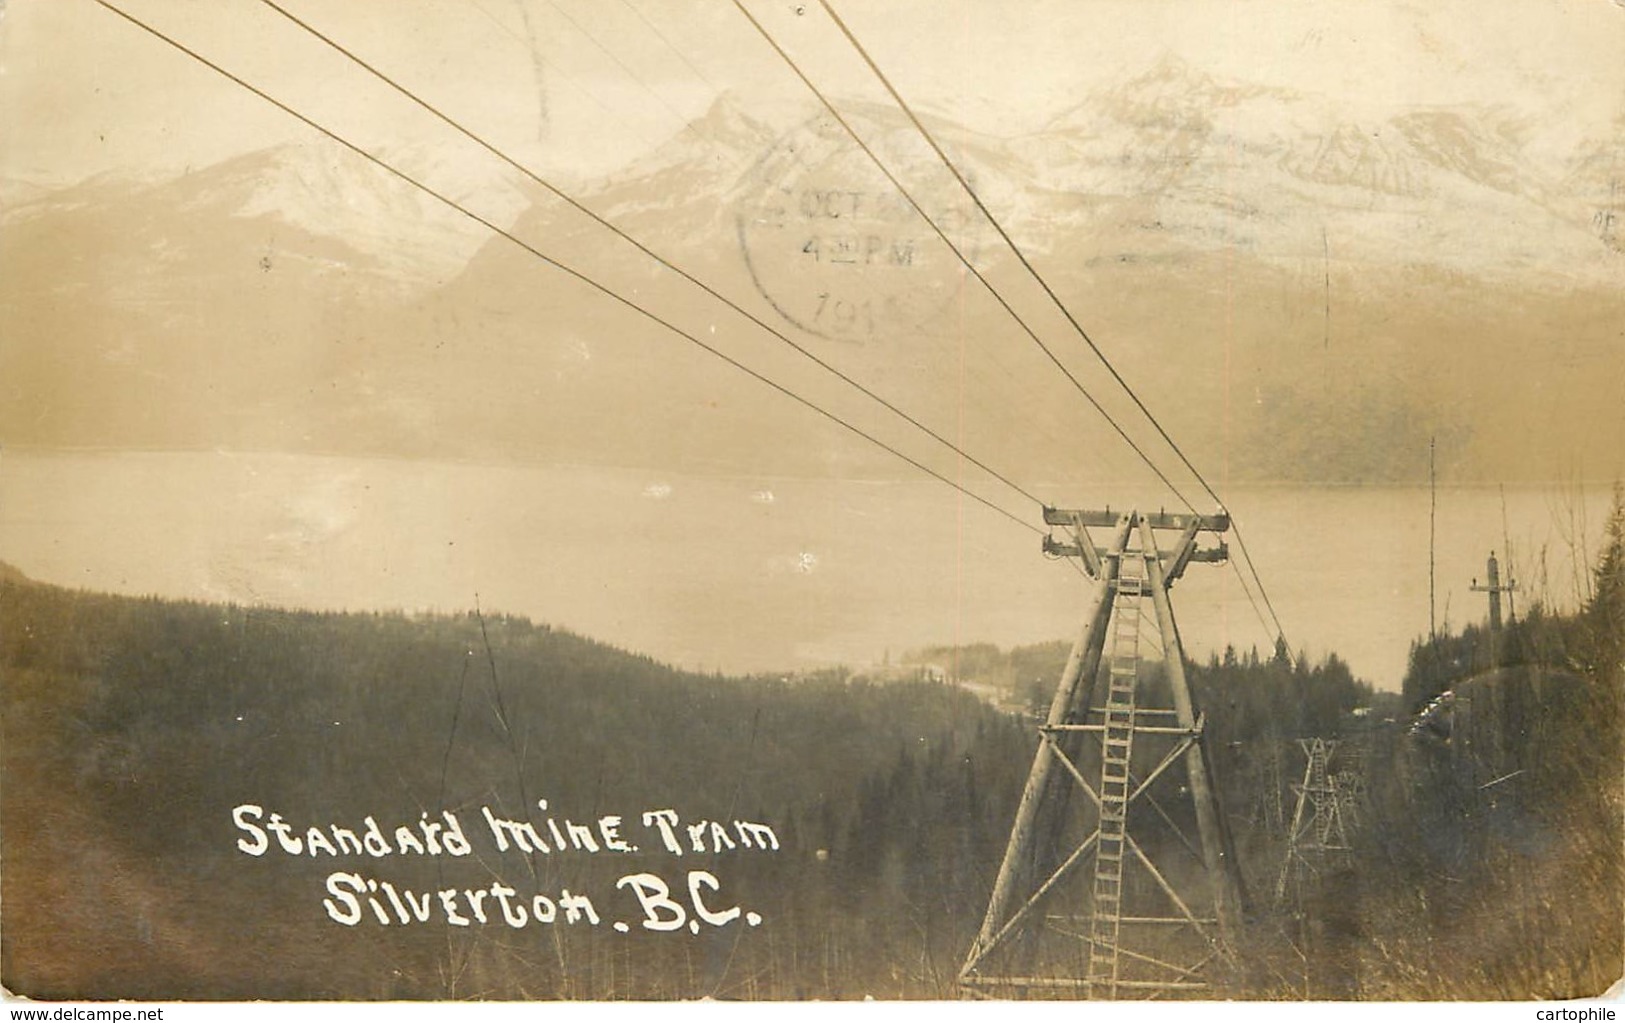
{"x": 585, "y": 86}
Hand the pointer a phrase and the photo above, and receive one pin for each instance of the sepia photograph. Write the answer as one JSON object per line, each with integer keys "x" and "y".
{"x": 771, "y": 501}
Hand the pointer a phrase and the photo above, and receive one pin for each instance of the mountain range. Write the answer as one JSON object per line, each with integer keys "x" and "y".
{"x": 1301, "y": 293}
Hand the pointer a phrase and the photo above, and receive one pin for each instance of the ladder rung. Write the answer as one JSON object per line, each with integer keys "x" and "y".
{"x": 1117, "y": 744}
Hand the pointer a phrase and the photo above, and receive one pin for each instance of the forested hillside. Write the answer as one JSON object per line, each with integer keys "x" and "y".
{"x": 1502, "y": 848}
{"x": 134, "y": 728}
{"x": 137, "y": 731}
{"x": 216, "y": 801}
{"x": 1486, "y": 858}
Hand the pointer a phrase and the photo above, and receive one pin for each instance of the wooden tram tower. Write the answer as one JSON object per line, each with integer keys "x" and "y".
{"x": 1332, "y": 804}
{"x": 1103, "y": 891}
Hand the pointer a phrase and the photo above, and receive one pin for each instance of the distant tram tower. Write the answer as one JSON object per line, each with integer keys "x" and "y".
{"x": 1332, "y": 805}
{"x": 1119, "y": 879}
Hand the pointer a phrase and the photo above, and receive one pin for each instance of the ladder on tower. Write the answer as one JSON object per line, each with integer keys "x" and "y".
{"x": 1117, "y": 748}
{"x": 1325, "y": 821}
{"x": 1062, "y": 923}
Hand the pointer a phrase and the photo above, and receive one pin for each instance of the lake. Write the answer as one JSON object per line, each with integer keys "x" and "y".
{"x": 755, "y": 574}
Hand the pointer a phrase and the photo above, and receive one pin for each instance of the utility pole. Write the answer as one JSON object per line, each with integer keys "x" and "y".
{"x": 1464, "y": 708}
{"x": 1506, "y": 545}
{"x": 1080, "y": 904}
{"x": 1433, "y": 514}
{"x": 1494, "y": 588}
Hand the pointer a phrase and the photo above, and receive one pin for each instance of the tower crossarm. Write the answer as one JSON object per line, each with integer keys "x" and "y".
{"x": 1183, "y": 551}
{"x": 1210, "y": 555}
{"x": 1090, "y": 517}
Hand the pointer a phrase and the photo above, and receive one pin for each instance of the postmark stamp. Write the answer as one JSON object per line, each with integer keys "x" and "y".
{"x": 839, "y": 251}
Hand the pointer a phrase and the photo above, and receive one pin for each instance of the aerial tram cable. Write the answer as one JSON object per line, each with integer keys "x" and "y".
{"x": 959, "y": 253}
{"x": 565, "y": 268}
{"x": 1021, "y": 256}
{"x": 641, "y": 247}
{"x": 600, "y": 47}
{"x": 558, "y": 74}
{"x": 670, "y": 46}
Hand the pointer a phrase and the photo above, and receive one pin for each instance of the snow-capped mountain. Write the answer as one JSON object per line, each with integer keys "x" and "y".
{"x": 1176, "y": 157}
{"x": 312, "y": 200}
{"x": 301, "y": 296}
